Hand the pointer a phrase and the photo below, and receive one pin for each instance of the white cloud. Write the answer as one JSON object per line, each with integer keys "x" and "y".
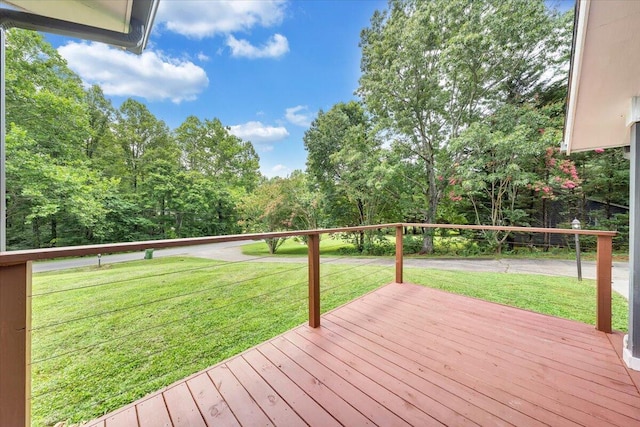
{"x": 275, "y": 47}
{"x": 278, "y": 170}
{"x": 151, "y": 75}
{"x": 298, "y": 115}
{"x": 202, "y": 57}
{"x": 259, "y": 133}
{"x": 199, "y": 19}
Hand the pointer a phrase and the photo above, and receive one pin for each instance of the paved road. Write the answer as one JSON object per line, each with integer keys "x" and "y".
{"x": 205, "y": 251}
{"x": 230, "y": 251}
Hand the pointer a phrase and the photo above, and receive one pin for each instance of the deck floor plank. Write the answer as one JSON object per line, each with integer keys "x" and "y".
{"x": 451, "y": 360}
{"x": 437, "y": 401}
{"x": 239, "y": 400}
{"x": 213, "y": 407}
{"x": 407, "y": 401}
{"x": 459, "y": 395}
{"x": 511, "y": 335}
{"x": 277, "y": 409}
{"x": 182, "y": 408}
{"x": 342, "y": 411}
{"x": 126, "y": 418}
{"x": 502, "y": 388}
{"x": 303, "y": 404}
{"x": 371, "y": 408}
{"x": 409, "y": 355}
{"x": 153, "y": 412}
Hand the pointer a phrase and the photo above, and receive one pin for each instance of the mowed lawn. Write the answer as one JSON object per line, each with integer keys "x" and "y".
{"x": 105, "y": 337}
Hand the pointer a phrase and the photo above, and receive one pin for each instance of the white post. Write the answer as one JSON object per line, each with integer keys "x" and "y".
{"x": 631, "y": 350}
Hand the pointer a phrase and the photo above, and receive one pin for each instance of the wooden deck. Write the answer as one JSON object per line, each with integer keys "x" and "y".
{"x": 409, "y": 355}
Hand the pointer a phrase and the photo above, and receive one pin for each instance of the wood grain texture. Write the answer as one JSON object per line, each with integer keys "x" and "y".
{"x": 314, "y": 280}
{"x": 603, "y": 277}
{"x": 15, "y": 344}
{"x": 399, "y": 254}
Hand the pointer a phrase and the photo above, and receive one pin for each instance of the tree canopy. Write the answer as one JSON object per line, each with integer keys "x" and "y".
{"x": 459, "y": 121}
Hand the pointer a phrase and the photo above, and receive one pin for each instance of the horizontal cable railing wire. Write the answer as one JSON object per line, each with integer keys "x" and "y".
{"x": 191, "y": 316}
{"x": 50, "y": 325}
{"x": 168, "y": 377}
{"x": 212, "y": 332}
{"x": 199, "y": 313}
{"x": 228, "y": 263}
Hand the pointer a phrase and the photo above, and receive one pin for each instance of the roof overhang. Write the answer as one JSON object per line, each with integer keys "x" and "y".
{"x": 123, "y": 23}
{"x": 604, "y": 76}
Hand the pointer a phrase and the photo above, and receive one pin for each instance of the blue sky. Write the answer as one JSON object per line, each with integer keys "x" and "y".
{"x": 262, "y": 67}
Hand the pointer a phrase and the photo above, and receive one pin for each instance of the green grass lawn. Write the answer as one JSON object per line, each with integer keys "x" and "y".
{"x": 105, "y": 337}
{"x": 293, "y": 247}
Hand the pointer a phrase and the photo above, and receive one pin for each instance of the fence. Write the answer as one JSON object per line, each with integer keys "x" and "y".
{"x": 16, "y": 294}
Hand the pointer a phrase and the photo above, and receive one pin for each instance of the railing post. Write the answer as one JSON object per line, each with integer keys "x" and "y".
{"x": 603, "y": 274}
{"x": 313, "y": 243}
{"x": 399, "y": 250}
{"x": 15, "y": 344}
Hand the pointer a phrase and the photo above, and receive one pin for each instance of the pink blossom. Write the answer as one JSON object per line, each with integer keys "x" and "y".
{"x": 599, "y": 150}
{"x": 453, "y": 197}
{"x": 546, "y": 189}
{"x": 440, "y": 177}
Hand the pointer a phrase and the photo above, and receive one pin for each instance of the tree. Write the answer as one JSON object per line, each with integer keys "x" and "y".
{"x": 209, "y": 148}
{"x": 268, "y": 208}
{"x": 431, "y": 68}
{"x": 45, "y": 193}
{"x": 138, "y": 131}
{"x": 496, "y": 166}
{"x": 606, "y": 177}
{"x": 346, "y": 162}
{"x": 306, "y": 202}
{"x": 44, "y": 97}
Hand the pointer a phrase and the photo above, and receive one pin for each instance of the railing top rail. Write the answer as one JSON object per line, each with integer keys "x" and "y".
{"x": 16, "y": 257}
{"x": 516, "y": 229}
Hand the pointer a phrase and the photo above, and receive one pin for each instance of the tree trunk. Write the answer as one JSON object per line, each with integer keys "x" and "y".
{"x": 431, "y": 196}
{"x": 545, "y": 224}
{"x": 54, "y": 231}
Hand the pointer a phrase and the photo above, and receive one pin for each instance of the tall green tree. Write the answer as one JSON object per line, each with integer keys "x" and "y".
{"x": 208, "y": 147}
{"x": 343, "y": 157}
{"x": 139, "y": 132}
{"x": 431, "y": 68}
{"x": 44, "y": 97}
{"x": 46, "y": 197}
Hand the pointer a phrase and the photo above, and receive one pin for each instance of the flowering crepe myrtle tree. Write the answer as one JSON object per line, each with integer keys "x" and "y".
{"x": 560, "y": 176}
{"x": 495, "y": 167}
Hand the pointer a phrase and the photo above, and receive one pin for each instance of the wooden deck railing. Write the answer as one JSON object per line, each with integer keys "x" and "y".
{"x": 15, "y": 293}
